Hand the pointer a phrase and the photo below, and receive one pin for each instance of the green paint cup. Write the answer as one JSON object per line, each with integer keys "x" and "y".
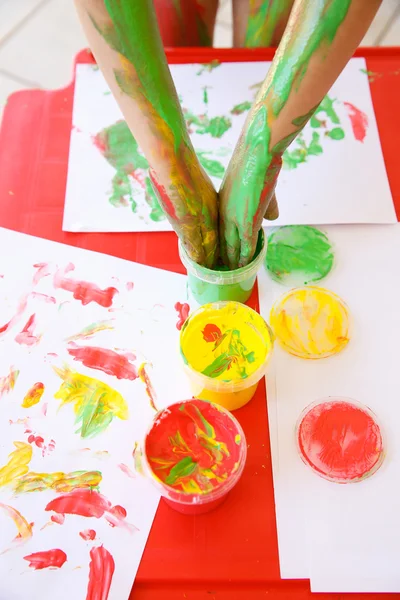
{"x": 209, "y": 285}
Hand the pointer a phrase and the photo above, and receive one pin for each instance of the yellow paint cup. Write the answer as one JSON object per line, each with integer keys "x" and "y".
{"x": 225, "y": 348}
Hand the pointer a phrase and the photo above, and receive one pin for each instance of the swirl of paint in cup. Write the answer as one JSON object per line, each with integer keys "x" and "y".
{"x": 340, "y": 440}
{"x": 195, "y": 452}
{"x": 298, "y": 255}
{"x": 311, "y": 322}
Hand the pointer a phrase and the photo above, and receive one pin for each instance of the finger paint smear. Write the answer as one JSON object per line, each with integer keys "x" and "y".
{"x": 311, "y": 322}
{"x": 33, "y": 396}
{"x": 298, "y": 254}
{"x": 47, "y": 559}
{"x": 340, "y": 440}
{"x": 195, "y": 448}
{"x": 101, "y": 571}
{"x": 225, "y": 347}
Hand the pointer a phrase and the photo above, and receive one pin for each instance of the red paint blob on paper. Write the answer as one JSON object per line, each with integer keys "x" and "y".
{"x": 84, "y": 291}
{"x": 183, "y": 313}
{"x": 358, "y": 120}
{"x": 49, "y": 558}
{"x": 59, "y": 519}
{"x": 101, "y": 571}
{"x": 340, "y": 441}
{"x": 105, "y": 360}
{"x": 88, "y": 534}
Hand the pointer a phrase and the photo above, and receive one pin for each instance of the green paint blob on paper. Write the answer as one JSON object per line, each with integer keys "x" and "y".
{"x": 212, "y": 167}
{"x": 336, "y": 134}
{"x": 292, "y": 158}
{"x": 239, "y": 109}
{"x": 156, "y": 212}
{"x": 208, "y": 67}
{"x": 216, "y": 126}
{"x": 298, "y": 255}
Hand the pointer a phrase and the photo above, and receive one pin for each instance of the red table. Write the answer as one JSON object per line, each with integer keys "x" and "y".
{"x": 231, "y": 553}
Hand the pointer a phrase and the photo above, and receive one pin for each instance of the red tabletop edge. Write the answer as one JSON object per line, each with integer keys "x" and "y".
{"x": 230, "y": 553}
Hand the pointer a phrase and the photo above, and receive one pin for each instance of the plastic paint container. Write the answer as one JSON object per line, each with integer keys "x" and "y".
{"x": 209, "y": 285}
{"x": 340, "y": 440}
{"x": 195, "y": 453}
{"x": 225, "y": 348}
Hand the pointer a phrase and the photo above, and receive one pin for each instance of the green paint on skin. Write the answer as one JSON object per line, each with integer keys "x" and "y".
{"x": 156, "y": 212}
{"x": 298, "y": 255}
{"x": 257, "y": 166}
{"x": 263, "y": 21}
{"x": 212, "y": 167}
{"x": 238, "y": 109}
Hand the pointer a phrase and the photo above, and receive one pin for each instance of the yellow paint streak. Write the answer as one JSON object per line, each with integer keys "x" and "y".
{"x": 32, "y": 397}
{"x": 18, "y": 464}
{"x": 59, "y": 482}
{"x": 311, "y": 322}
{"x": 23, "y": 527}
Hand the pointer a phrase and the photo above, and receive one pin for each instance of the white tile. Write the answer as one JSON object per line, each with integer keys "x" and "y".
{"x": 222, "y": 36}
{"x": 382, "y": 18}
{"x": 43, "y": 49}
{"x": 392, "y": 37}
{"x": 7, "y": 87}
{"x": 13, "y": 12}
{"x": 224, "y": 14}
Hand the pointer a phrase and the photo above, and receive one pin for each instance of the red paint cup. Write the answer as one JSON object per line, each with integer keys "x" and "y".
{"x": 194, "y": 452}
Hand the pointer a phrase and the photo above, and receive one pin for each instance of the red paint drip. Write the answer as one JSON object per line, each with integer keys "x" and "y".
{"x": 101, "y": 571}
{"x": 84, "y": 291}
{"x": 183, "y": 313}
{"x": 163, "y": 197}
{"x": 88, "y": 534}
{"x": 105, "y": 360}
{"x": 340, "y": 441}
{"x": 26, "y": 337}
{"x": 49, "y": 558}
{"x": 358, "y": 120}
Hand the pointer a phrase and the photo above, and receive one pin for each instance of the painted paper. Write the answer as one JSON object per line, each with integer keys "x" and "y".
{"x": 83, "y": 368}
{"x": 108, "y": 185}
{"x": 342, "y": 536}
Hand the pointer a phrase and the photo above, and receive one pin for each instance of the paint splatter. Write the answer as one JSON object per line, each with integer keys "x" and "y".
{"x": 125, "y": 469}
{"x": 20, "y": 310}
{"x": 95, "y": 403}
{"x": 298, "y": 254}
{"x": 42, "y": 270}
{"x": 208, "y": 67}
{"x": 44, "y": 297}
{"x": 47, "y": 559}
{"x": 59, "y": 482}
{"x": 23, "y": 527}
{"x": 150, "y": 391}
{"x": 101, "y": 571}
{"x": 26, "y": 336}
{"x": 88, "y": 534}
{"x": 7, "y": 383}
{"x": 340, "y": 441}
{"x": 91, "y": 330}
{"x": 311, "y": 322}
{"x": 83, "y": 291}
{"x": 202, "y": 124}
{"x": 358, "y": 120}
{"x": 17, "y": 465}
{"x": 129, "y": 285}
{"x": 183, "y": 311}
{"x": 59, "y": 519}
{"x": 33, "y": 396}
{"x": 241, "y": 108}
{"x": 37, "y": 440}
{"x": 105, "y": 360}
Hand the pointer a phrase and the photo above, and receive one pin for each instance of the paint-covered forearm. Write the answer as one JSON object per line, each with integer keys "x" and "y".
{"x": 125, "y": 40}
{"x": 260, "y": 23}
{"x": 319, "y": 40}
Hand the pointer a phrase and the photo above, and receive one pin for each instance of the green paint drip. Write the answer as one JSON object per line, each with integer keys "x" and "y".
{"x": 298, "y": 254}
{"x": 238, "y": 109}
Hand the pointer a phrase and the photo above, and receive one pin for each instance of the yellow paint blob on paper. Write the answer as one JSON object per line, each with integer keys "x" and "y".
{"x": 18, "y": 464}
{"x": 33, "y": 395}
{"x": 225, "y": 347}
{"x": 311, "y": 322}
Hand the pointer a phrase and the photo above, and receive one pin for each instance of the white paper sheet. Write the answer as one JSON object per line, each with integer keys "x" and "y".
{"x": 344, "y": 537}
{"x": 141, "y": 321}
{"x": 346, "y": 183}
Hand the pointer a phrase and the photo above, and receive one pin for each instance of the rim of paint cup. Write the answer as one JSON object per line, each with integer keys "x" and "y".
{"x": 356, "y": 404}
{"x": 218, "y": 385}
{"x": 225, "y": 277}
{"x": 193, "y": 499}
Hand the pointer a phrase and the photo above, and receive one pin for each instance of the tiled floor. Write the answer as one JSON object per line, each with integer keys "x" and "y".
{"x": 39, "y": 39}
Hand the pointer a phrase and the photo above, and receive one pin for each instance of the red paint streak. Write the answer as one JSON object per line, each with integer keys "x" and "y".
{"x": 44, "y": 297}
{"x": 116, "y": 515}
{"x": 84, "y": 291}
{"x": 340, "y": 441}
{"x": 150, "y": 391}
{"x": 20, "y": 310}
{"x": 183, "y": 313}
{"x": 129, "y": 285}
{"x": 105, "y": 360}
{"x": 26, "y": 336}
{"x": 43, "y": 270}
{"x": 59, "y": 519}
{"x": 163, "y": 197}
{"x": 101, "y": 571}
{"x": 125, "y": 469}
{"x": 49, "y": 558}
{"x": 88, "y": 534}
{"x": 358, "y": 120}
